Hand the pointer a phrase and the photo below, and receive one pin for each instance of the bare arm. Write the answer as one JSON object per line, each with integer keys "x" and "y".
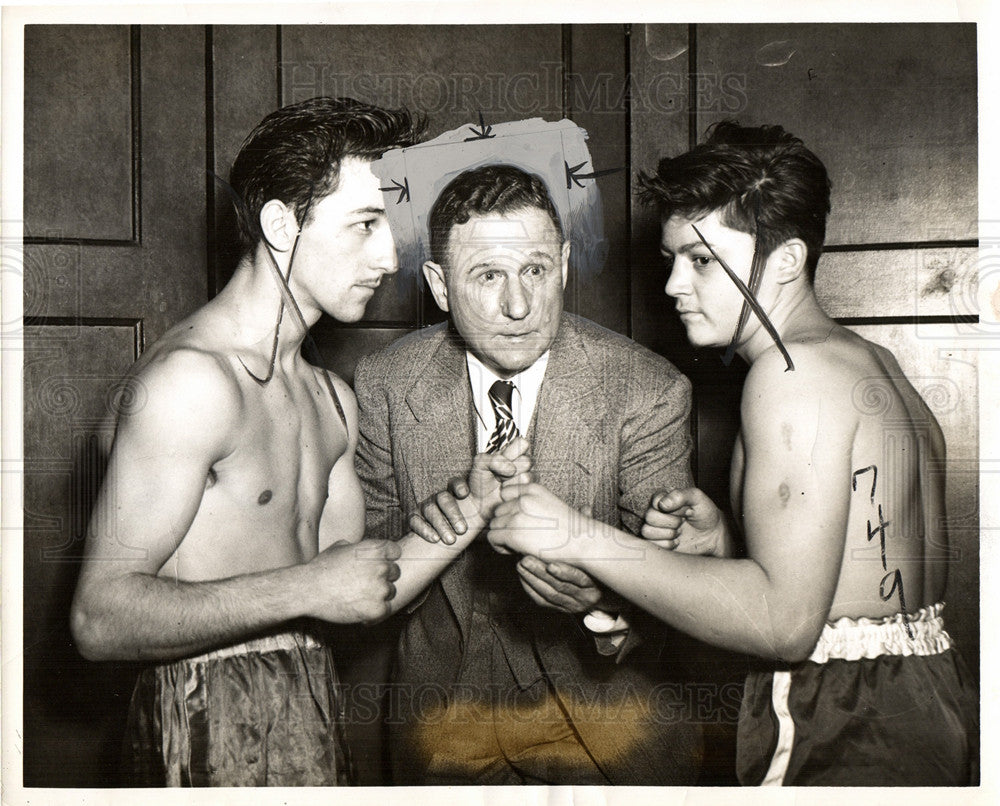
{"x": 654, "y": 451}
{"x": 422, "y": 561}
{"x": 428, "y": 548}
{"x": 156, "y": 476}
{"x": 343, "y": 518}
{"x": 795, "y": 499}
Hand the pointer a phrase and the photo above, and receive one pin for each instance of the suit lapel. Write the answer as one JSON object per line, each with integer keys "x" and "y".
{"x": 568, "y": 431}
{"x": 440, "y": 444}
{"x": 573, "y": 449}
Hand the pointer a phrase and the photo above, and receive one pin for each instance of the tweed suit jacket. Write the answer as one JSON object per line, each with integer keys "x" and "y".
{"x": 610, "y": 427}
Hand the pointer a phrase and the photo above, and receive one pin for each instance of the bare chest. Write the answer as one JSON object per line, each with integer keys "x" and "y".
{"x": 262, "y": 504}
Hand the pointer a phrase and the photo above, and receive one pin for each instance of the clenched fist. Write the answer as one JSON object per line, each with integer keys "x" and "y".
{"x": 687, "y": 521}
{"x": 352, "y": 582}
{"x": 440, "y": 517}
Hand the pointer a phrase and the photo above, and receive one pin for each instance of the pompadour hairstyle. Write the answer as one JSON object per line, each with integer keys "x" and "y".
{"x": 294, "y": 154}
{"x": 481, "y": 191}
{"x": 759, "y": 176}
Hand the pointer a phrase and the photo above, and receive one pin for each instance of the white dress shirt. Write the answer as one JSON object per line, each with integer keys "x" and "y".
{"x": 527, "y": 384}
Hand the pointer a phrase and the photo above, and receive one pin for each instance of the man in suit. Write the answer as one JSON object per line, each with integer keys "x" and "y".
{"x": 490, "y": 687}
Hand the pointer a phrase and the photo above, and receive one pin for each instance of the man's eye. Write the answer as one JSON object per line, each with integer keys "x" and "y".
{"x": 534, "y": 270}
{"x": 367, "y": 225}
{"x": 490, "y": 276}
{"x": 701, "y": 261}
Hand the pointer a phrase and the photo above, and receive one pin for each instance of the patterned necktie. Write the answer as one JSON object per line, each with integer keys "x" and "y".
{"x": 501, "y": 395}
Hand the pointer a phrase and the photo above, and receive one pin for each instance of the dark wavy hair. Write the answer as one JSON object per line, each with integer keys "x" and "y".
{"x": 764, "y": 181}
{"x": 481, "y": 191}
{"x": 294, "y": 154}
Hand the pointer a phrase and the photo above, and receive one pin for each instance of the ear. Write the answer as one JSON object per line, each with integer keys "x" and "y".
{"x": 565, "y": 262}
{"x": 277, "y": 222}
{"x": 788, "y": 260}
{"x": 434, "y": 273}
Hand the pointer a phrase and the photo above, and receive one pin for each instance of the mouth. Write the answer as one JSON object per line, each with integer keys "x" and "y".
{"x": 372, "y": 284}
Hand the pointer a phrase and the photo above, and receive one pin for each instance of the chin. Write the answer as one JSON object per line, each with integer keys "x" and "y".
{"x": 700, "y": 339}
{"x": 349, "y": 314}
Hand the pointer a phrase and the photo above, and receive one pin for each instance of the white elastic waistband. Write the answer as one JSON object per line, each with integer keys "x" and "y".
{"x": 258, "y": 646}
{"x": 854, "y": 639}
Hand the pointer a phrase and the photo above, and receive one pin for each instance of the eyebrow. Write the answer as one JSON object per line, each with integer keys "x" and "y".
{"x": 535, "y": 255}
{"x": 684, "y": 249}
{"x": 368, "y": 211}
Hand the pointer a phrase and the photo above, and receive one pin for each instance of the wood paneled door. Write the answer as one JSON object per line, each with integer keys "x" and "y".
{"x": 115, "y": 228}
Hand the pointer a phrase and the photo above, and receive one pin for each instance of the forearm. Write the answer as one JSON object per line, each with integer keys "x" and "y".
{"x": 730, "y": 603}
{"x": 139, "y": 616}
{"x": 422, "y": 562}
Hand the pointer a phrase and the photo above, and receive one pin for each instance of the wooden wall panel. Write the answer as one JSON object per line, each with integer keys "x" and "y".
{"x": 659, "y": 127}
{"x": 162, "y": 277}
{"x": 449, "y": 72}
{"x": 74, "y": 710}
{"x": 940, "y": 281}
{"x": 890, "y": 109}
{"x": 595, "y": 95}
{"x": 78, "y": 132}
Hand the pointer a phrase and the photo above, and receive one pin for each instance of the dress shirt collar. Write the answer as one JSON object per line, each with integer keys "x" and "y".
{"x": 527, "y": 384}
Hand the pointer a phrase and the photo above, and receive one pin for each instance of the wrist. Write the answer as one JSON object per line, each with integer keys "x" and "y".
{"x": 475, "y": 518}
{"x": 294, "y": 586}
{"x": 591, "y": 542}
{"x": 603, "y": 545}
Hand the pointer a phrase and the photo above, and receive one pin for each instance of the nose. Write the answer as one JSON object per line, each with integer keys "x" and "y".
{"x": 677, "y": 282}
{"x": 516, "y": 303}
{"x": 385, "y": 252}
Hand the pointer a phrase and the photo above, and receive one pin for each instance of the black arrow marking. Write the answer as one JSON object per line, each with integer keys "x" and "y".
{"x": 404, "y": 190}
{"x": 751, "y": 301}
{"x": 573, "y": 177}
{"x": 482, "y": 133}
{"x": 756, "y": 275}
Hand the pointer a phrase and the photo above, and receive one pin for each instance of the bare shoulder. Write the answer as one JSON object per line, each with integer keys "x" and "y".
{"x": 344, "y": 398}
{"x": 819, "y": 386}
{"x": 811, "y": 363}
{"x": 180, "y": 385}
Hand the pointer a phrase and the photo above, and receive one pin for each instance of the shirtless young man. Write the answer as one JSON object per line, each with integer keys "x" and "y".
{"x": 230, "y": 512}
{"x": 838, "y": 479}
